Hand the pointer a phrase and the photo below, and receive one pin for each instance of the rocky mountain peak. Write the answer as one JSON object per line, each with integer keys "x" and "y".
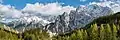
{"x": 78, "y": 18}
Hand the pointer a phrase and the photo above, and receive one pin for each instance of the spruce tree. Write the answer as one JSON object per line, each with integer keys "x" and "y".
{"x": 85, "y": 35}
{"x": 73, "y": 36}
{"x": 108, "y": 34}
{"x": 102, "y": 32}
{"x": 114, "y": 33}
{"x": 80, "y": 34}
{"x": 118, "y": 33}
{"x": 118, "y": 27}
{"x": 94, "y": 32}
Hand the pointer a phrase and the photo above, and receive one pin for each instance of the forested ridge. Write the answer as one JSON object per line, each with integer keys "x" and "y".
{"x": 103, "y": 28}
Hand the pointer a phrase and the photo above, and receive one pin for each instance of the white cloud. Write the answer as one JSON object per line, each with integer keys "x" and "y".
{"x": 104, "y": 4}
{"x": 9, "y": 11}
{"x": 83, "y": 0}
{"x": 48, "y": 9}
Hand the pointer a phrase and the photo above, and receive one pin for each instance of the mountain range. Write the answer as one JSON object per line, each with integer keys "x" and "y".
{"x": 58, "y": 24}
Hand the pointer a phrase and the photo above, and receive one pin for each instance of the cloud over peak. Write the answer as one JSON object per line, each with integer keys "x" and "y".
{"x": 48, "y": 9}
{"x": 9, "y": 11}
{"x": 45, "y": 9}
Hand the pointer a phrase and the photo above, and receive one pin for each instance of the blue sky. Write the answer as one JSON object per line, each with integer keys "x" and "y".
{"x": 20, "y": 4}
{"x": 51, "y": 7}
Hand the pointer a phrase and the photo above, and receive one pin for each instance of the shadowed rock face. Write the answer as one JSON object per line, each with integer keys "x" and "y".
{"x": 62, "y": 23}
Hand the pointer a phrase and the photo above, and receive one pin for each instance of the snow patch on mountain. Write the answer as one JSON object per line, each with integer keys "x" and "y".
{"x": 113, "y": 4}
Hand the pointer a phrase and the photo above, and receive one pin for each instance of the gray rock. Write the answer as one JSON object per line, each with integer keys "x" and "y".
{"x": 77, "y": 18}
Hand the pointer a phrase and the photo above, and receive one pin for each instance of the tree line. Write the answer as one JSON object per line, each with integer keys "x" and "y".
{"x": 95, "y": 32}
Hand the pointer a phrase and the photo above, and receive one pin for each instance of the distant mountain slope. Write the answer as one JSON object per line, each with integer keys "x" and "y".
{"x": 115, "y": 18}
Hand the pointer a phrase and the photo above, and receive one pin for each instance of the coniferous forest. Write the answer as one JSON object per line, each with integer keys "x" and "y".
{"x": 103, "y": 28}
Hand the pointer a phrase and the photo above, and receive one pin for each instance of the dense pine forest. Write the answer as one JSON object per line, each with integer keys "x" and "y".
{"x": 103, "y": 28}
